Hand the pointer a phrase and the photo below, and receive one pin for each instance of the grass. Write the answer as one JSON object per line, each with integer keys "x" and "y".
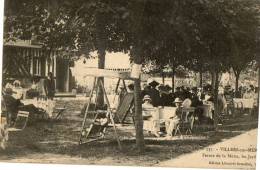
{"x": 57, "y": 142}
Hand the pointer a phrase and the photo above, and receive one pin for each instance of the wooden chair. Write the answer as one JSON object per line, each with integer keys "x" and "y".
{"x": 4, "y": 114}
{"x": 21, "y": 120}
{"x": 124, "y": 107}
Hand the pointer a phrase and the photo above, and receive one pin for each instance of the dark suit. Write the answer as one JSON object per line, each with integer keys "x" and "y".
{"x": 155, "y": 96}
{"x": 49, "y": 87}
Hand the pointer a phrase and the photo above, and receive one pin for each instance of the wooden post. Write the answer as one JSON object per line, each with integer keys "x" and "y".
{"x": 110, "y": 114}
{"x": 86, "y": 111}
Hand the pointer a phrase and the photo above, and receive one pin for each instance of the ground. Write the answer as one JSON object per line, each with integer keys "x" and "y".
{"x": 57, "y": 142}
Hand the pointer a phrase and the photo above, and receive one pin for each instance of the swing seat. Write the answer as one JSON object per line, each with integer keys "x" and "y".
{"x": 124, "y": 107}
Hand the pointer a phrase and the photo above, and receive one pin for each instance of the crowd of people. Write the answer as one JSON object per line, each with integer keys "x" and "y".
{"x": 158, "y": 95}
{"x": 14, "y": 93}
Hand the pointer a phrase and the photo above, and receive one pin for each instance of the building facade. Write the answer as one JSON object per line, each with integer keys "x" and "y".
{"x": 22, "y": 60}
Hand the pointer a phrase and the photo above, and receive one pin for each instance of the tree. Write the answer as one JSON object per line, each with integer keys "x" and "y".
{"x": 241, "y": 20}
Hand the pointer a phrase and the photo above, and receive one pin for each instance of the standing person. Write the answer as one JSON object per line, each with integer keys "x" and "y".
{"x": 154, "y": 94}
{"x": 49, "y": 86}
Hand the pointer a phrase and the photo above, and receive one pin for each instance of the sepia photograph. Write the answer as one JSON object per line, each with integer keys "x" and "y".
{"x": 136, "y": 83}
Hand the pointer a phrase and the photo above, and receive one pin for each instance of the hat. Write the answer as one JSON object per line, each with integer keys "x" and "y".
{"x": 147, "y": 97}
{"x": 17, "y": 82}
{"x": 131, "y": 86}
{"x": 177, "y": 100}
{"x": 167, "y": 87}
{"x": 154, "y": 83}
{"x": 161, "y": 87}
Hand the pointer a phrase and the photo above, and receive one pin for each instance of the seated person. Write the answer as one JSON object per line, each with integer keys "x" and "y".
{"x": 17, "y": 89}
{"x": 195, "y": 102}
{"x": 152, "y": 124}
{"x": 34, "y": 90}
{"x": 9, "y": 83}
{"x": 249, "y": 94}
{"x": 187, "y": 102}
{"x": 13, "y": 105}
{"x": 172, "y": 123}
{"x": 147, "y": 107}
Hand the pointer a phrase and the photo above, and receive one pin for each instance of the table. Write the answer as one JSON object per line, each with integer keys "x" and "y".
{"x": 159, "y": 115}
{"x": 166, "y": 112}
{"x": 246, "y": 103}
{"x": 47, "y": 105}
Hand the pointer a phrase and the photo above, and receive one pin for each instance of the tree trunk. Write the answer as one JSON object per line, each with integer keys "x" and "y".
{"x": 101, "y": 65}
{"x": 173, "y": 78}
{"x": 216, "y": 108}
{"x": 163, "y": 78}
{"x": 201, "y": 83}
{"x": 137, "y": 9}
{"x": 237, "y": 75}
{"x": 258, "y": 86}
{"x": 213, "y": 81}
{"x": 138, "y": 117}
{"x": 101, "y": 50}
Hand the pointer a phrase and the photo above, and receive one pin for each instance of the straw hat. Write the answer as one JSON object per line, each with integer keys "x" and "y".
{"x": 177, "y": 100}
{"x": 147, "y": 97}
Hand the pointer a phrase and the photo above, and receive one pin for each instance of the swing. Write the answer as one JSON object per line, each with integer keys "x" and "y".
{"x": 105, "y": 118}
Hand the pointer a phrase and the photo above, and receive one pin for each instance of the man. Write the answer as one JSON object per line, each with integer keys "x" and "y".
{"x": 49, "y": 86}
{"x": 154, "y": 93}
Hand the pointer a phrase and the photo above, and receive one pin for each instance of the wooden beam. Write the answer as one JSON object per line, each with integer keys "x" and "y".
{"x": 95, "y": 72}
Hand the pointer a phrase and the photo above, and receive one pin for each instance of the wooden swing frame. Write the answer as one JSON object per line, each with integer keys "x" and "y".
{"x": 97, "y": 84}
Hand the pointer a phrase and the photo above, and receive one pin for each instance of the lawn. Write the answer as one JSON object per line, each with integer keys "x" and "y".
{"x": 57, "y": 142}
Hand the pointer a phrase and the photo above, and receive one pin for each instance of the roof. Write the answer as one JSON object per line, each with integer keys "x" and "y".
{"x": 21, "y": 43}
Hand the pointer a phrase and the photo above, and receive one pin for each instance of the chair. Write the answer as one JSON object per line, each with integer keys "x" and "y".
{"x": 4, "y": 114}
{"x": 58, "y": 112}
{"x": 8, "y": 112}
{"x": 21, "y": 120}
{"x": 185, "y": 124}
{"x": 230, "y": 104}
{"x": 124, "y": 107}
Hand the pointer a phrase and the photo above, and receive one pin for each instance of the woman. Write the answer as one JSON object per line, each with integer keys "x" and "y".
{"x": 17, "y": 90}
{"x": 14, "y": 105}
{"x": 151, "y": 115}
{"x": 172, "y": 123}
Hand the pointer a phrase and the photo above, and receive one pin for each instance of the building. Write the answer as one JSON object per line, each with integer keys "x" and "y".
{"x": 22, "y": 60}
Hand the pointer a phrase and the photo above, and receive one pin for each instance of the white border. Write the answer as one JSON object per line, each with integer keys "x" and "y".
{"x": 21, "y": 166}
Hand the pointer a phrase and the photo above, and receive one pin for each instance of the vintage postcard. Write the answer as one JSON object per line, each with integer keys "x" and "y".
{"x": 152, "y": 83}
